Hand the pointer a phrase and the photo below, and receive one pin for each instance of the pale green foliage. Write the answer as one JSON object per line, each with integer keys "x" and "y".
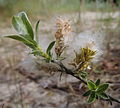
{"x": 96, "y": 90}
{"x": 26, "y": 35}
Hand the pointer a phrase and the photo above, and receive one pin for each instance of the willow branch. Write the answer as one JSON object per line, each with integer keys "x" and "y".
{"x": 70, "y": 72}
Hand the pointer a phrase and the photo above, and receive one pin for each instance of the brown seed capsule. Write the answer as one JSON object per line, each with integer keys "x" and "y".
{"x": 63, "y": 28}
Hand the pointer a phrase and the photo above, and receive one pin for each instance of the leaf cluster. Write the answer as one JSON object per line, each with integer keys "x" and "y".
{"x": 27, "y": 36}
{"x": 96, "y": 91}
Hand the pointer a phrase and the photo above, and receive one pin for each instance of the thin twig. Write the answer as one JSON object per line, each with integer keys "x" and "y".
{"x": 68, "y": 71}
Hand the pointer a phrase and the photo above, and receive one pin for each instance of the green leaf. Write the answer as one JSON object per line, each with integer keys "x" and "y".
{"x": 27, "y": 38}
{"x": 97, "y": 83}
{"x": 22, "y": 39}
{"x": 87, "y": 93}
{"x": 36, "y": 52}
{"x": 19, "y": 25}
{"x": 50, "y": 47}
{"x": 22, "y": 25}
{"x": 91, "y": 85}
{"x": 103, "y": 95}
{"x": 27, "y": 23}
{"x": 36, "y": 31}
{"x": 102, "y": 88}
{"x": 84, "y": 74}
{"x": 92, "y": 97}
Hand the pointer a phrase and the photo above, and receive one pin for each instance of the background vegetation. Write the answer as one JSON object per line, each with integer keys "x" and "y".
{"x": 50, "y": 7}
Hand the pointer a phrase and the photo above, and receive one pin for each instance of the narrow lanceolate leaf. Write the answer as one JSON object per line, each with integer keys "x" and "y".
{"x": 102, "y": 88}
{"x": 22, "y": 25}
{"x": 19, "y": 25}
{"x": 27, "y": 23}
{"x": 87, "y": 93}
{"x": 97, "y": 83}
{"x": 91, "y": 85}
{"x": 36, "y": 31}
{"x": 22, "y": 39}
{"x": 50, "y": 47}
{"x": 103, "y": 95}
{"x": 92, "y": 97}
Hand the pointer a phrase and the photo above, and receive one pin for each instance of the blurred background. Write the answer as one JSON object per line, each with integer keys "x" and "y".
{"x": 17, "y": 68}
